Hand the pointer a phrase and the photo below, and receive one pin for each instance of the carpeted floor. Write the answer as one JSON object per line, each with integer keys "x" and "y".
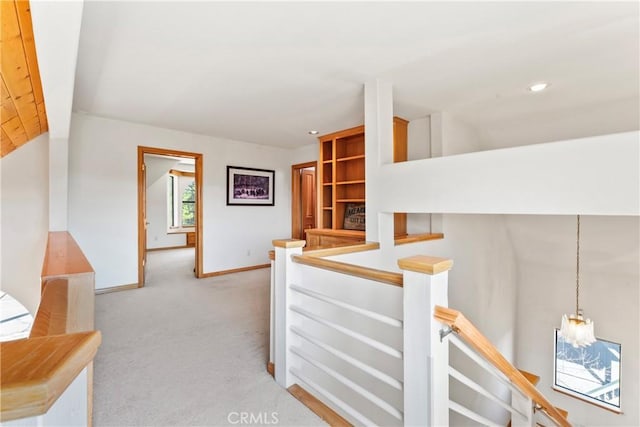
{"x": 187, "y": 352}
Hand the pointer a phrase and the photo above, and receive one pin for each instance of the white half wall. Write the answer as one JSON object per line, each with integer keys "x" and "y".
{"x": 595, "y": 176}
{"x": 103, "y": 196}
{"x": 24, "y": 202}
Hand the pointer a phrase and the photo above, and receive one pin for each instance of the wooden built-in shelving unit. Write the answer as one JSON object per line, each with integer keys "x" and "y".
{"x": 341, "y": 180}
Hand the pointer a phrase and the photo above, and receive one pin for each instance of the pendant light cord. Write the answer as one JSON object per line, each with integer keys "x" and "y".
{"x": 578, "y": 266}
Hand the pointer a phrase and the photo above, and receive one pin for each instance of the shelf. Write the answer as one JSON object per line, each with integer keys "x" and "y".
{"x": 327, "y": 183}
{"x": 346, "y": 159}
{"x": 357, "y": 181}
{"x": 350, "y": 200}
{"x": 327, "y": 208}
{"x": 327, "y": 161}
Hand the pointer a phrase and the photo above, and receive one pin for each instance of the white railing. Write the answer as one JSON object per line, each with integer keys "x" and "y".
{"x": 519, "y": 408}
{"x": 350, "y": 334}
{"x": 505, "y": 393}
{"x": 370, "y": 344}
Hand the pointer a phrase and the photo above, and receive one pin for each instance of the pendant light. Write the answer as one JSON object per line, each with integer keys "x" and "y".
{"x": 575, "y": 329}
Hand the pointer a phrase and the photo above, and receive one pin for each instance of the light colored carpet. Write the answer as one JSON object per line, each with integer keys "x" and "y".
{"x": 187, "y": 352}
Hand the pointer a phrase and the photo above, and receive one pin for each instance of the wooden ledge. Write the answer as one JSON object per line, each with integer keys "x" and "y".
{"x": 36, "y": 371}
{"x": 289, "y": 243}
{"x": 387, "y": 277}
{"x": 341, "y": 250}
{"x": 327, "y": 414}
{"x": 425, "y": 264}
{"x": 67, "y": 306}
{"x": 63, "y": 256}
{"x": 414, "y": 238}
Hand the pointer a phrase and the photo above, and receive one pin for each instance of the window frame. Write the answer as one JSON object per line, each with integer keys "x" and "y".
{"x": 581, "y": 395}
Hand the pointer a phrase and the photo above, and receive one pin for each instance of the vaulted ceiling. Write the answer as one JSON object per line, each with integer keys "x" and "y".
{"x": 23, "y": 115}
{"x": 268, "y": 72}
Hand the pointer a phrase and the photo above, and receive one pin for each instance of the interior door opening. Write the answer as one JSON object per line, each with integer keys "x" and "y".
{"x": 169, "y": 204}
{"x": 303, "y": 199}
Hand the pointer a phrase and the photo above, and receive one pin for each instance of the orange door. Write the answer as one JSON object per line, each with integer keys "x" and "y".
{"x": 308, "y": 199}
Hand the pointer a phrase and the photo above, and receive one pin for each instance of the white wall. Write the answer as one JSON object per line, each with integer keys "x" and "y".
{"x": 103, "y": 196}
{"x": 157, "y": 204}
{"x": 25, "y": 219}
{"x": 609, "y": 282}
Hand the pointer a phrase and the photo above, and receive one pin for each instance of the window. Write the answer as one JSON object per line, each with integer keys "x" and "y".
{"x": 189, "y": 205}
{"x": 182, "y": 201}
{"x": 590, "y": 373}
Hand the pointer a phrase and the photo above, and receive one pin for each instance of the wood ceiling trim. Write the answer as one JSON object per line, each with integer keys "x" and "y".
{"x": 23, "y": 114}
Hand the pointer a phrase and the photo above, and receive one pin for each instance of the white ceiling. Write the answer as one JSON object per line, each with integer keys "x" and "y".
{"x": 269, "y": 72}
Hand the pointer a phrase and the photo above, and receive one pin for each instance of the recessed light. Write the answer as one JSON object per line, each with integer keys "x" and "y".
{"x": 313, "y": 132}
{"x": 537, "y": 87}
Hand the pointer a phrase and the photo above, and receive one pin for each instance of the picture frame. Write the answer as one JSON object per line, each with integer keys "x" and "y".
{"x": 250, "y": 186}
{"x": 591, "y": 373}
{"x": 354, "y": 217}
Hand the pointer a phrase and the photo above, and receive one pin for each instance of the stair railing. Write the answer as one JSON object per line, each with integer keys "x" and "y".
{"x": 526, "y": 399}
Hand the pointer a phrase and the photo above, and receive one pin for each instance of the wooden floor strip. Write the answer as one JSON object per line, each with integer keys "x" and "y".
{"x": 327, "y": 414}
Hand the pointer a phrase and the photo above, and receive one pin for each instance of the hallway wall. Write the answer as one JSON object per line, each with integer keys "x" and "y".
{"x": 24, "y": 205}
{"x": 103, "y": 196}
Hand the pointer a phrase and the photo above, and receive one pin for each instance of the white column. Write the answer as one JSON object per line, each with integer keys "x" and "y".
{"x": 285, "y": 275}
{"x": 58, "y": 183}
{"x": 426, "y": 358}
{"x": 378, "y": 138}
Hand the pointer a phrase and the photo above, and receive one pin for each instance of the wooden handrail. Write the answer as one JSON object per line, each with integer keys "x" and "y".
{"x": 36, "y": 371}
{"x": 382, "y": 276}
{"x": 465, "y": 329}
{"x": 63, "y": 256}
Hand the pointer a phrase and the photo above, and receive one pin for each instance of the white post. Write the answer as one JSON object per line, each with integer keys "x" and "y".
{"x": 272, "y": 312}
{"x": 523, "y": 404}
{"x": 426, "y": 358}
{"x": 284, "y": 277}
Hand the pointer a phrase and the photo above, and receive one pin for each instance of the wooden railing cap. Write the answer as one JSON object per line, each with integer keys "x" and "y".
{"x": 36, "y": 371}
{"x": 289, "y": 243}
{"x": 425, "y": 264}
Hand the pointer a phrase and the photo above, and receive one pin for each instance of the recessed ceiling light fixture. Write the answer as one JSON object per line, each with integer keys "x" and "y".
{"x": 537, "y": 87}
{"x": 313, "y": 132}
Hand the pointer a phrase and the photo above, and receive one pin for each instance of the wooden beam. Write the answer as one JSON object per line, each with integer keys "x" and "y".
{"x": 15, "y": 70}
{"x": 6, "y": 146}
{"x": 15, "y": 131}
{"x": 26, "y": 30}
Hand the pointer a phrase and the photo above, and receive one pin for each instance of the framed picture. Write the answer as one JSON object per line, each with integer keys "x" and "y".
{"x": 250, "y": 187}
{"x": 590, "y": 373}
{"x": 354, "y": 217}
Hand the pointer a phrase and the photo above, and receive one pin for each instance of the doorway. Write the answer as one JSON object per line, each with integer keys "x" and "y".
{"x": 303, "y": 199}
{"x": 143, "y": 222}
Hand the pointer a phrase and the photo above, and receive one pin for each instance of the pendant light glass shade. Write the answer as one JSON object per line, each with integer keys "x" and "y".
{"x": 575, "y": 329}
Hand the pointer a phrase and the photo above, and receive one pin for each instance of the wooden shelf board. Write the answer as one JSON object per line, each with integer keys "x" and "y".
{"x": 327, "y": 183}
{"x": 349, "y": 200}
{"x": 327, "y": 208}
{"x": 346, "y": 159}
{"x": 357, "y": 181}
